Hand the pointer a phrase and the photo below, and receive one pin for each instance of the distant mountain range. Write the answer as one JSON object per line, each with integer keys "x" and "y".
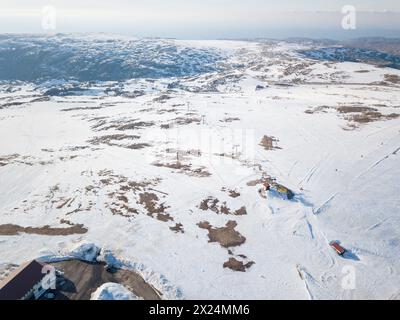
{"x": 342, "y": 54}
{"x": 90, "y": 58}
{"x": 379, "y": 51}
{"x": 40, "y": 58}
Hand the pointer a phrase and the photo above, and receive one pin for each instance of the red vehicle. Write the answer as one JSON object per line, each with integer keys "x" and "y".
{"x": 338, "y": 248}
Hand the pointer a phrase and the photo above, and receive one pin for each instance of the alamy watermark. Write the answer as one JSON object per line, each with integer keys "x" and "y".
{"x": 50, "y": 278}
{"x": 349, "y": 279}
{"x": 349, "y": 20}
{"x": 205, "y": 146}
{"x": 49, "y": 18}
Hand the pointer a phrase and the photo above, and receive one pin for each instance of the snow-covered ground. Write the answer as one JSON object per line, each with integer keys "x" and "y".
{"x": 113, "y": 291}
{"x": 168, "y": 177}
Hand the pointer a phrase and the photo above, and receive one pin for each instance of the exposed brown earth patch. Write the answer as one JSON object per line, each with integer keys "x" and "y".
{"x": 183, "y": 120}
{"x": 355, "y": 109}
{"x": 137, "y": 146}
{"x": 77, "y": 148}
{"x": 31, "y": 161}
{"x": 121, "y": 125}
{"x": 226, "y": 236}
{"x": 122, "y": 210}
{"x": 10, "y": 104}
{"x": 320, "y": 109}
{"x": 12, "y": 230}
{"x": 131, "y": 126}
{"x": 214, "y": 205}
{"x": 64, "y": 202}
{"x": 183, "y": 154}
{"x": 163, "y": 111}
{"x": 185, "y": 168}
{"x": 125, "y": 184}
{"x": 237, "y": 265}
{"x": 82, "y": 108}
{"x": 48, "y": 150}
{"x": 180, "y": 121}
{"x": 110, "y": 139}
{"x": 123, "y": 198}
{"x": 162, "y": 98}
{"x": 371, "y": 116}
{"x": 164, "y": 217}
{"x": 209, "y": 204}
{"x": 302, "y": 68}
{"x": 232, "y": 193}
{"x": 67, "y": 158}
{"x": 362, "y": 114}
{"x": 356, "y": 115}
{"x": 226, "y": 155}
{"x": 269, "y": 143}
{"x": 241, "y": 212}
{"x": 5, "y": 160}
{"x": 254, "y": 183}
{"x": 150, "y": 201}
{"x": 119, "y": 140}
{"x": 392, "y": 78}
{"x": 230, "y": 119}
{"x": 64, "y": 221}
{"x": 178, "y": 228}
{"x": 126, "y": 190}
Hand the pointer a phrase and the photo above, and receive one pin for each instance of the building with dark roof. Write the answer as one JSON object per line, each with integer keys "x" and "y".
{"x": 29, "y": 281}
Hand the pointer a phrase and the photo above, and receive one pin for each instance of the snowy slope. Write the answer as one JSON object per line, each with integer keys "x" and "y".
{"x": 160, "y": 177}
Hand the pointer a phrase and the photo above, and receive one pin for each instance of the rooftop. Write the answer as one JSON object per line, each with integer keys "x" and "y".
{"x": 21, "y": 280}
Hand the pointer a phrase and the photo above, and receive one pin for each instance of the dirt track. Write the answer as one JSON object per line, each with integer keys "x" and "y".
{"x": 80, "y": 279}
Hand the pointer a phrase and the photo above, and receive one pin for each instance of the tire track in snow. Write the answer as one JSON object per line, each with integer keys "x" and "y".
{"x": 311, "y": 284}
{"x": 311, "y": 172}
{"x": 291, "y": 169}
{"x": 376, "y": 225}
{"x": 377, "y": 163}
{"x": 315, "y": 247}
{"x": 321, "y": 240}
{"x": 325, "y": 205}
{"x": 310, "y": 228}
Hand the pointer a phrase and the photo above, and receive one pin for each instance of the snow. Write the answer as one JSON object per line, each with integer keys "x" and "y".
{"x": 86, "y": 252}
{"x": 113, "y": 291}
{"x": 345, "y": 179}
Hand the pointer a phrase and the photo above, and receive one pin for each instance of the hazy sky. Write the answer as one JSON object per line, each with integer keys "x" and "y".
{"x": 204, "y": 18}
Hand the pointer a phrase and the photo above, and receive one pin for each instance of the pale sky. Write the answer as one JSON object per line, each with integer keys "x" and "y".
{"x": 207, "y": 19}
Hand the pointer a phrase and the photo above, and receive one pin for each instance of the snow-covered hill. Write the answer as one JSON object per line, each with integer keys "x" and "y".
{"x": 92, "y": 58}
{"x": 164, "y": 169}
